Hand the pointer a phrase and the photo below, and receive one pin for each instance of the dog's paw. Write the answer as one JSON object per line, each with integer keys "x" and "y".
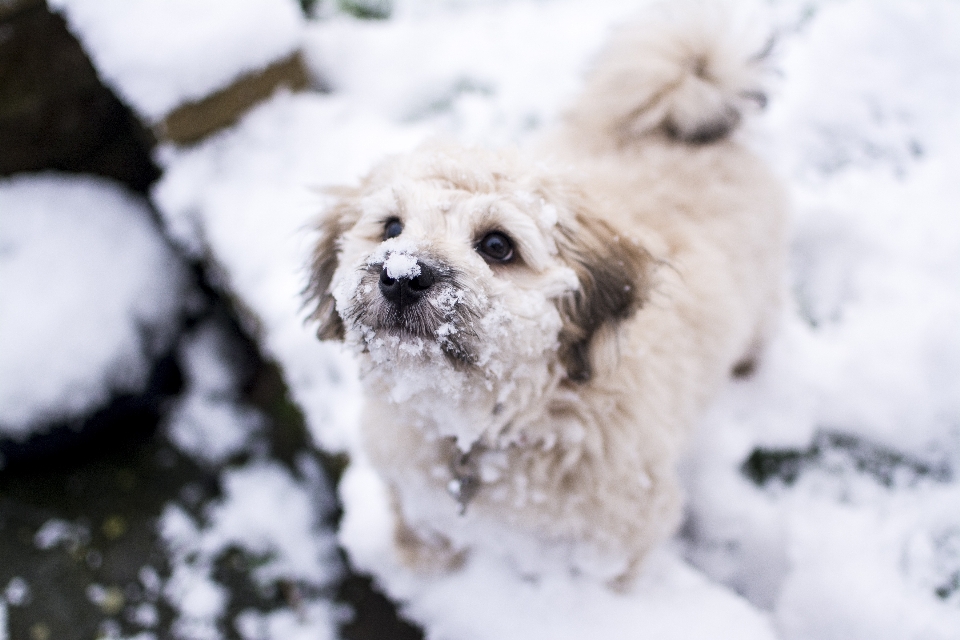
{"x": 426, "y": 554}
{"x": 424, "y": 551}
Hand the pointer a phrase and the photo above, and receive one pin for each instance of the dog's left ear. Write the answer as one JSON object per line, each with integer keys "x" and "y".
{"x": 615, "y": 275}
{"x": 326, "y": 258}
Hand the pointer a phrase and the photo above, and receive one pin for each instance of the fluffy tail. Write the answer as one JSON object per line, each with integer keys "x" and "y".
{"x": 688, "y": 70}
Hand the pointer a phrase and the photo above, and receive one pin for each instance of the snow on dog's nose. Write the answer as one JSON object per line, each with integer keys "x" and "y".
{"x": 404, "y": 280}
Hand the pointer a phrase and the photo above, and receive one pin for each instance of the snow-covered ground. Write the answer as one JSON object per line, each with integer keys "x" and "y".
{"x": 823, "y": 501}
{"x": 273, "y": 517}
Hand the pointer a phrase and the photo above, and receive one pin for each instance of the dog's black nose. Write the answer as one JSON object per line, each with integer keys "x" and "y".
{"x": 404, "y": 290}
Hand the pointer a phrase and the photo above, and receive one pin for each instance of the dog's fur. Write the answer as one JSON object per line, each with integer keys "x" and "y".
{"x": 536, "y": 408}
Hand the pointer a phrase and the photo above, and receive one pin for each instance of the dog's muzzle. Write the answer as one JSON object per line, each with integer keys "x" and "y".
{"x": 423, "y": 300}
{"x": 405, "y": 291}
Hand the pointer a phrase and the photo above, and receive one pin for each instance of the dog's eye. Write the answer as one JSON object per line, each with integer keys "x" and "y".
{"x": 392, "y": 228}
{"x": 496, "y": 247}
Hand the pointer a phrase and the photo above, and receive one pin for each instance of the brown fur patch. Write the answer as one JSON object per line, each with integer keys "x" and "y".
{"x": 745, "y": 368}
{"x": 614, "y": 274}
{"x": 332, "y": 224}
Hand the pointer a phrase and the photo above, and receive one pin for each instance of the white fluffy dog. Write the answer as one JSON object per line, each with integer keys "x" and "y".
{"x": 537, "y": 337}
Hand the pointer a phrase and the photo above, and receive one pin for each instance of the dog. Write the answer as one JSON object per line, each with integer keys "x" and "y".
{"x": 538, "y": 331}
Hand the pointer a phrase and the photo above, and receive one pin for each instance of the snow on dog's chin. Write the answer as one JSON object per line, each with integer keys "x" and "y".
{"x": 513, "y": 342}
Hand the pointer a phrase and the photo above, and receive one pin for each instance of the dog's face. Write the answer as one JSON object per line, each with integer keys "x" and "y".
{"x": 473, "y": 276}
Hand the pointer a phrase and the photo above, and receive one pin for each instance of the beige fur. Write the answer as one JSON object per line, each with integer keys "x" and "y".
{"x": 536, "y": 409}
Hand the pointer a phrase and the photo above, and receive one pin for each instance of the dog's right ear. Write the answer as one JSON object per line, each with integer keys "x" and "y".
{"x": 337, "y": 219}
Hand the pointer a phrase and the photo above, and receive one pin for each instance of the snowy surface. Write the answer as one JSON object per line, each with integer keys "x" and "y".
{"x": 489, "y": 73}
{"x": 865, "y": 542}
{"x": 91, "y": 295}
{"x": 158, "y": 54}
{"x": 208, "y": 422}
{"x": 268, "y": 514}
{"x": 671, "y": 601}
{"x": 861, "y": 386}
{"x": 314, "y": 621}
{"x": 276, "y": 517}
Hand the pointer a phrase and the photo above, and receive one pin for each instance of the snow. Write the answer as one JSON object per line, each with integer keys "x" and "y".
{"x": 867, "y": 349}
{"x": 504, "y": 70}
{"x": 861, "y": 385}
{"x": 401, "y": 265}
{"x": 91, "y": 295}
{"x": 56, "y": 531}
{"x": 268, "y": 514}
{"x": 459, "y": 605}
{"x": 159, "y": 54}
{"x": 17, "y": 592}
{"x": 313, "y": 621}
{"x": 208, "y": 422}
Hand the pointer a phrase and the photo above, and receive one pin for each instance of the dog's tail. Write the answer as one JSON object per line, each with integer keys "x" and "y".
{"x": 687, "y": 70}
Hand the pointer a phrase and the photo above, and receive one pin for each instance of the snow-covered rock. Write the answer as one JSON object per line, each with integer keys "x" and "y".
{"x": 159, "y": 54}
{"x": 91, "y": 295}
